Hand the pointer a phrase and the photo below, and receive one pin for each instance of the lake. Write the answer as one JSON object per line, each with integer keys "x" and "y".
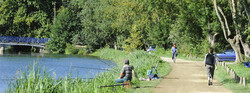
{"x": 57, "y": 66}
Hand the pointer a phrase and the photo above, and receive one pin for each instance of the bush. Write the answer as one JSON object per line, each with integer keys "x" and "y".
{"x": 82, "y": 52}
{"x": 70, "y": 49}
{"x": 160, "y": 51}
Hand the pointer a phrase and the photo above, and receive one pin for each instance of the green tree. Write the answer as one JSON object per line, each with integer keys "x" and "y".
{"x": 134, "y": 41}
{"x": 94, "y": 25}
{"x": 27, "y": 18}
{"x": 234, "y": 25}
{"x": 63, "y": 30}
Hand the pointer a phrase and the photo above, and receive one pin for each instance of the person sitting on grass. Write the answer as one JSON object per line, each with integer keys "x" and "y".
{"x": 126, "y": 73}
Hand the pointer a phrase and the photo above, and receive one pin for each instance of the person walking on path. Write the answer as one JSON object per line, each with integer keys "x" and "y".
{"x": 126, "y": 73}
{"x": 210, "y": 64}
{"x": 174, "y": 53}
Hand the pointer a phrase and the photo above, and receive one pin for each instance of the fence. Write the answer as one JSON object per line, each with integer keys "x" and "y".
{"x": 241, "y": 80}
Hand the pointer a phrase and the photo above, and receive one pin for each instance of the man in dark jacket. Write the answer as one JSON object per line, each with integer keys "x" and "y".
{"x": 210, "y": 64}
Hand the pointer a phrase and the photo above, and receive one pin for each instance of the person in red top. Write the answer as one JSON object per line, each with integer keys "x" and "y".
{"x": 174, "y": 53}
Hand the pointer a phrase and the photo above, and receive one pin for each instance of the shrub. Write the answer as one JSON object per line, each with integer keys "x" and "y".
{"x": 70, "y": 49}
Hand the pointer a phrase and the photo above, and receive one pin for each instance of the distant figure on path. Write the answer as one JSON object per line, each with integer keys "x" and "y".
{"x": 174, "y": 53}
{"x": 126, "y": 73}
{"x": 210, "y": 64}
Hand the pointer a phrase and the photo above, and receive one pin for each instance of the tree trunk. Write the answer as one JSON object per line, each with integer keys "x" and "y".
{"x": 245, "y": 44}
{"x": 211, "y": 39}
{"x": 115, "y": 45}
{"x": 245, "y": 47}
{"x": 235, "y": 44}
{"x": 235, "y": 41}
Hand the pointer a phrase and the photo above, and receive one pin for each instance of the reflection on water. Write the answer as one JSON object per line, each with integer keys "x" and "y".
{"x": 57, "y": 66}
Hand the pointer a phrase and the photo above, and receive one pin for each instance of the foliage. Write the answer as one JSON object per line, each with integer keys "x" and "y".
{"x": 234, "y": 19}
{"x": 82, "y": 51}
{"x": 70, "y": 49}
{"x": 27, "y": 18}
{"x": 134, "y": 41}
{"x": 94, "y": 25}
{"x": 122, "y": 24}
{"x": 160, "y": 51}
{"x": 62, "y": 31}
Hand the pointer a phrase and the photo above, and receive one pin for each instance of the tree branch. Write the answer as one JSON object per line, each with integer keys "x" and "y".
{"x": 220, "y": 19}
{"x": 233, "y": 10}
{"x": 215, "y": 34}
{"x": 245, "y": 8}
{"x": 226, "y": 23}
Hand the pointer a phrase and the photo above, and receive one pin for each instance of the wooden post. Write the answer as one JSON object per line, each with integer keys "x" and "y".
{"x": 2, "y": 48}
{"x": 244, "y": 81}
{"x": 237, "y": 78}
{"x": 240, "y": 80}
{"x": 227, "y": 69}
{"x": 232, "y": 73}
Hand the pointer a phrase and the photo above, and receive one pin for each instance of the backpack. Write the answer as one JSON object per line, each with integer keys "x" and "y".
{"x": 210, "y": 59}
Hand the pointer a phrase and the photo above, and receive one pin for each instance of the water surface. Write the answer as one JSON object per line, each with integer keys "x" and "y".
{"x": 57, "y": 66}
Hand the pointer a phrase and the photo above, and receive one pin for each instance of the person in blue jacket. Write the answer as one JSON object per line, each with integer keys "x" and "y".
{"x": 174, "y": 53}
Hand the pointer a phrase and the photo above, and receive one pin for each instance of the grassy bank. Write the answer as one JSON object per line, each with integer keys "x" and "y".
{"x": 142, "y": 61}
{"x": 241, "y": 70}
{"x": 222, "y": 75}
{"x": 36, "y": 81}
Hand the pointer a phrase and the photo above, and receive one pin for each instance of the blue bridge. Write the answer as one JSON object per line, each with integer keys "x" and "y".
{"x": 21, "y": 41}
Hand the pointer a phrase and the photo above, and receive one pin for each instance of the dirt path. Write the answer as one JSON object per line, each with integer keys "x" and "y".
{"x": 188, "y": 77}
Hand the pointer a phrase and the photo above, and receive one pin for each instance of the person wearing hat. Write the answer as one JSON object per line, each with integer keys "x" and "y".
{"x": 126, "y": 72}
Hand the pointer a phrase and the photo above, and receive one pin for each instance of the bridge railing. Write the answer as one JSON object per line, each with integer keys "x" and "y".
{"x": 28, "y": 40}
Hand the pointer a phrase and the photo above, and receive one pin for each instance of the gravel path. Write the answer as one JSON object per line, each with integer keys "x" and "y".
{"x": 188, "y": 77}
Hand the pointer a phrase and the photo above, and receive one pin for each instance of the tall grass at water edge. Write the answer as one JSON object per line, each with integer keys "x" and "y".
{"x": 36, "y": 81}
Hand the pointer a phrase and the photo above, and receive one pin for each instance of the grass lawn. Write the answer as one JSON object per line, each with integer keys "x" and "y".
{"x": 222, "y": 75}
{"x": 146, "y": 86}
{"x": 241, "y": 70}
